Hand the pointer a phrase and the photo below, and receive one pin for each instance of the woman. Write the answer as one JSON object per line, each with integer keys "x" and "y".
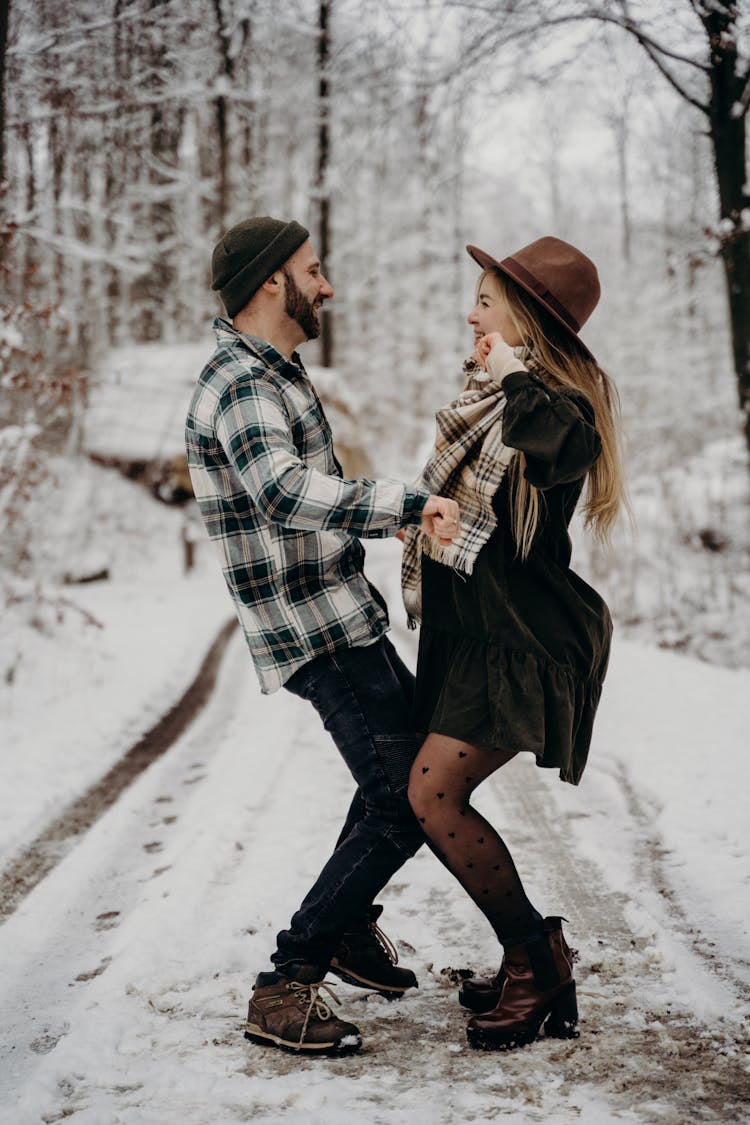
{"x": 513, "y": 646}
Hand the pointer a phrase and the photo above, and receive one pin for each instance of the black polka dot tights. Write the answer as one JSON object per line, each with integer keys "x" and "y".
{"x": 443, "y": 777}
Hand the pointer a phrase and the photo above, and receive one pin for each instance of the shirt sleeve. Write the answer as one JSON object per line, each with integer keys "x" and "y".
{"x": 554, "y": 429}
{"x": 254, "y": 430}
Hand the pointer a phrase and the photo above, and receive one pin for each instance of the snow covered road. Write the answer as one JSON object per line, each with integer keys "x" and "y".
{"x": 124, "y": 974}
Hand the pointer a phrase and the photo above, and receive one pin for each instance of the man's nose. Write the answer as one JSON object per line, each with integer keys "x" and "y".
{"x": 326, "y": 289}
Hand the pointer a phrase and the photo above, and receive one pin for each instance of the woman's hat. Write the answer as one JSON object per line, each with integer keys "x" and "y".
{"x": 562, "y": 279}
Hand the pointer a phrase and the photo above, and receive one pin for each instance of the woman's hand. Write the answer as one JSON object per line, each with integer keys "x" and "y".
{"x": 493, "y": 342}
{"x": 497, "y": 357}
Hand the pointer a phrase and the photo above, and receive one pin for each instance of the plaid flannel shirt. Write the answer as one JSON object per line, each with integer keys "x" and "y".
{"x": 274, "y": 502}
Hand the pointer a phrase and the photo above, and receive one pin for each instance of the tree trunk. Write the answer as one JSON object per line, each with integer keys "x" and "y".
{"x": 728, "y": 137}
{"x": 321, "y": 181}
{"x": 115, "y": 179}
{"x": 222, "y": 114}
{"x": 622, "y": 162}
{"x": 164, "y": 140}
{"x": 422, "y": 130}
{"x": 56, "y": 149}
{"x": 4, "y": 21}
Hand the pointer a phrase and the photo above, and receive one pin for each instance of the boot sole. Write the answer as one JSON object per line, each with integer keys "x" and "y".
{"x": 265, "y": 1039}
{"x": 389, "y": 992}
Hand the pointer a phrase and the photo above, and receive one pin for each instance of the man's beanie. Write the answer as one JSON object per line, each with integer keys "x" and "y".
{"x": 248, "y": 254}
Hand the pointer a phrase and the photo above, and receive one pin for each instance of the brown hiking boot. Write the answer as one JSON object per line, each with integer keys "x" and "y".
{"x": 366, "y": 958}
{"x": 292, "y": 1014}
{"x": 538, "y": 986}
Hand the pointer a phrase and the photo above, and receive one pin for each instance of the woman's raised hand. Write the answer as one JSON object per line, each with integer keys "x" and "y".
{"x": 492, "y": 342}
{"x": 496, "y": 356}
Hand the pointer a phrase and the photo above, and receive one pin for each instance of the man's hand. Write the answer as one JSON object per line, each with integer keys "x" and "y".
{"x": 441, "y": 520}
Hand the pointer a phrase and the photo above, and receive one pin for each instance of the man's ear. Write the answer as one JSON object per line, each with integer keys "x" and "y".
{"x": 273, "y": 284}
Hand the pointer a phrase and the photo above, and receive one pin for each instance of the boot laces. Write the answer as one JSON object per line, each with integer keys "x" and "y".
{"x": 385, "y": 943}
{"x": 309, "y": 999}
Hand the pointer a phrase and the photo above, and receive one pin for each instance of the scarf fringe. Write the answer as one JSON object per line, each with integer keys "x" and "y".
{"x": 453, "y": 556}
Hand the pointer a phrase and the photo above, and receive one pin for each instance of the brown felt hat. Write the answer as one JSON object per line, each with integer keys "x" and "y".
{"x": 562, "y": 279}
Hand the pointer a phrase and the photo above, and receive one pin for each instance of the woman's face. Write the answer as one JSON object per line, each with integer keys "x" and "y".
{"x": 491, "y": 314}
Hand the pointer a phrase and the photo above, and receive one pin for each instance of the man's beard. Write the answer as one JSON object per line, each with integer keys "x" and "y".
{"x": 300, "y": 308}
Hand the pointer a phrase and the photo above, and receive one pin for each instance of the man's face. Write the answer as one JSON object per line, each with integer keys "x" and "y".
{"x": 305, "y": 289}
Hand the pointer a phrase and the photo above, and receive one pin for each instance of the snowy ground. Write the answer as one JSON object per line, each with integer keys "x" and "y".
{"x": 124, "y": 974}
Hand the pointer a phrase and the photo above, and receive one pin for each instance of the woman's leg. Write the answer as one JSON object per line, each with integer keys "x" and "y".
{"x": 444, "y": 775}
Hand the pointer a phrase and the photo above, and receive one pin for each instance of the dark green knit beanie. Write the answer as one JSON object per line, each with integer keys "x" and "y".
{"x": 248, "y": 254}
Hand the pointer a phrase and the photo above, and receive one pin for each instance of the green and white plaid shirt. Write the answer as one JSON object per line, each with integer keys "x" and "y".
{"x": 284, "y": 522}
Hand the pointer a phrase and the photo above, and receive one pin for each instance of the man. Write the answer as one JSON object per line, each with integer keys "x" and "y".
{"x": 287, "y": 528}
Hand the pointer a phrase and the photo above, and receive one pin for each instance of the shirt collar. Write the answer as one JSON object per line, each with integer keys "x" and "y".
{"x": 227, "y": 333}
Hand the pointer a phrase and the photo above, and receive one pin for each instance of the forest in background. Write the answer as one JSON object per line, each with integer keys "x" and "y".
{"x": 134, "y": 131}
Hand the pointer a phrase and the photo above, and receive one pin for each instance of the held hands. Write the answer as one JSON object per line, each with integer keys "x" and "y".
{"x": 441, "y": 520}
{"x": 497, "y": 357}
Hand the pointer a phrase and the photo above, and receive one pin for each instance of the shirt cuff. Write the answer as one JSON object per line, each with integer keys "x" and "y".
{"x": 414, "y": 502}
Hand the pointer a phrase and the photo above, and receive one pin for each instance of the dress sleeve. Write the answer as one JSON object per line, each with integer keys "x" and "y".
{"x": 555, "y": 430}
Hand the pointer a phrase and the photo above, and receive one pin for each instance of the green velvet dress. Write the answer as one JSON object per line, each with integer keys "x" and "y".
{"x": 514, "y": 656}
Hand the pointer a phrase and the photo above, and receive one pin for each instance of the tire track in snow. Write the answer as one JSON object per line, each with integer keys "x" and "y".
{"x": 68, "y": 938}
{"x": 639, "y": 1041}
{"x": 54, "y": 843}
{"x": 652, "y": 867}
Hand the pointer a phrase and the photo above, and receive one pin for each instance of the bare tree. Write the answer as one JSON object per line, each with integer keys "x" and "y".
{"x": 694, "y": 46}
{"x": 231, "y": 41}
{"x": 4, "y": 19}
{"x": 323, "y": 160}
{"x": 624, "y": 80}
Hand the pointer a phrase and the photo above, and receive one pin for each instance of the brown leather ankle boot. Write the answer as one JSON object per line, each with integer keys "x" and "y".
{"x": 538, "y": 986}
{"x": 482, "y": 994}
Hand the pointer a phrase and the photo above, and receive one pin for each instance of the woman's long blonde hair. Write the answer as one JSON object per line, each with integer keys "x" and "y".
{"x": 565, "y": 364}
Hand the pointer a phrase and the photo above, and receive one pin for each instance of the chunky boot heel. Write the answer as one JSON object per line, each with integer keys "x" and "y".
{"x": 563, "y": 1018}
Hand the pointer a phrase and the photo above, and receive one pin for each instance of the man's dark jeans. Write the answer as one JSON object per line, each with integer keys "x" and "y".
{"x": 364, "y": 697}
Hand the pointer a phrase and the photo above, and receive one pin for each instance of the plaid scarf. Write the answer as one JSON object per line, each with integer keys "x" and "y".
{"x": 467, "y": 464}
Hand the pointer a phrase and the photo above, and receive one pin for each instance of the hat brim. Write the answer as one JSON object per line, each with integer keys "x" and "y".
{"x": 487, "y": 262}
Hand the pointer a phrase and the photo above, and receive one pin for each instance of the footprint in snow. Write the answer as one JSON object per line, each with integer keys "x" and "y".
{"x": 48, "y": 1040}
{"x": 97, "y": 972}
{"x": 107, "y": 921}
